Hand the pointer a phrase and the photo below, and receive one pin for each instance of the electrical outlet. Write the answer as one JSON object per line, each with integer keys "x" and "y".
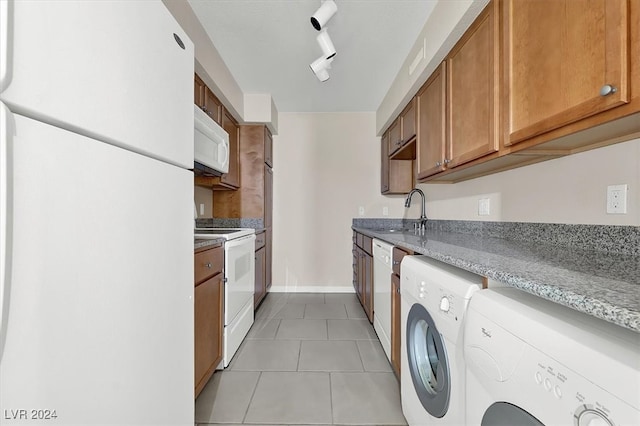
{"x": 201, "y": 209}
{"x": 385, "y": 211}
{"x": 361, "y": 211}
{"x": 484, "y": 207}
{"x": 617, "y": 199}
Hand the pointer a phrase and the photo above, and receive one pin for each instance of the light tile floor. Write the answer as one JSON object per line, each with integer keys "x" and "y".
{"x": 308, "y": 359}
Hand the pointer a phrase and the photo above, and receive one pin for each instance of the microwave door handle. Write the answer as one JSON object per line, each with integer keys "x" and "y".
{"x": 225, "y": 154}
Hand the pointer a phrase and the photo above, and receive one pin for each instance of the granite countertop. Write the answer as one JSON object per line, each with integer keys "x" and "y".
{"x": 199, "y": 243}
{"x": 600, "y": 283}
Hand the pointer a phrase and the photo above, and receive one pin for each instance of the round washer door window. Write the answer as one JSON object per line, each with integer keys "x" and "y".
{"x": 428, "y": 364}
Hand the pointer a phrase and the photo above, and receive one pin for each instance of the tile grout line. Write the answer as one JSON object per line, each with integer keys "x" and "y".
{"x": 255, "y": 388}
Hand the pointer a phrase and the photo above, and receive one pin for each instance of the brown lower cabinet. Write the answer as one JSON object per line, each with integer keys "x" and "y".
{"x": 260, "y": 290}
{"x": 396, "y": 318}
{"x": 363, "y": 271}
{"x": 208, "y": 314}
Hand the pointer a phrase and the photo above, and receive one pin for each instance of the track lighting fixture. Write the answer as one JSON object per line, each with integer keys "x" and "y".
{"x": 320, "y": 68}
{"x": 323, "y": 14}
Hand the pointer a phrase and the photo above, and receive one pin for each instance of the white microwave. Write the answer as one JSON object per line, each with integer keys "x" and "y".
{"x": 211, "y": 145}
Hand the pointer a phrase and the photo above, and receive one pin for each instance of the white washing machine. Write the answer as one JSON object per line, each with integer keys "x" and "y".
{"x": 434, "y": 298}
{"x": 534, "y": 362}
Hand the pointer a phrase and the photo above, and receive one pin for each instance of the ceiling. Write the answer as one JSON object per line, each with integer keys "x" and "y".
{"x": 268, "y": 46}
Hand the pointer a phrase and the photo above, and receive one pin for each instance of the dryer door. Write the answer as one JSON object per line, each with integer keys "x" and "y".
{"x": 428, "y": 362}
{"x": 505, "y": 414}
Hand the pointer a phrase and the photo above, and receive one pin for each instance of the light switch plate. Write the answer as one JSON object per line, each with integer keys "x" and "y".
{"x": 617, "y": 199}
{"x": 484, "y": 207}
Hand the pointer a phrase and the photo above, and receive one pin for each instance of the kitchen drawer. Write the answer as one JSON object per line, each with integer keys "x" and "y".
{"x": 208, "y": 263}
{"x": 398, "y": 254}
{"x": 261, "y": 239}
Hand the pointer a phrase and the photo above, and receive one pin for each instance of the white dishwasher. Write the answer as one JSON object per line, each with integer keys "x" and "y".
{"x": 382, "y": 270}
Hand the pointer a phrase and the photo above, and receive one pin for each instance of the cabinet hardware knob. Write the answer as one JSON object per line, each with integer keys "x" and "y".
{"x": 395, "y": 262}
{"x": 447, "y": 161}
{"x": 209, "y": 265}
{"x": 438, "y": 163}
{"x": 607, "y": 89}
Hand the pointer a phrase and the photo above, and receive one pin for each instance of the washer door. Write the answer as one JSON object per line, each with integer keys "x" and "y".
{"x": 505, "y": 414}
{"x": 428, "y": 363}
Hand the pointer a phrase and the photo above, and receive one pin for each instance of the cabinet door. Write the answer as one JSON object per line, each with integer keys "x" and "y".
{"x": 431, "y": 101}
{"x": 212, "y": 106}
{"x": 268, "y": 258}
{"x": 268, "y": 147}
{"x": 208, "y": 323}
{"x": 384, "y": 164}
{"x": 356, "y": 265}
{"x": 395, "y": 136}
{"x": 368, "y": 285}
{"x": 268, "y": 196}
{"x": 395, "y": 324}
{"x": 260, "y": 284}
{"x": 408, "y": 121}
{"x": 232, "y": 177}
{"x": 472, "y": 83}
{"x": 559, "y": 55}
{"x": 198, "y": 91}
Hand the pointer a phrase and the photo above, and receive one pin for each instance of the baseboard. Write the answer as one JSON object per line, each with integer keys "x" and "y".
{"x": 310, "y": 289}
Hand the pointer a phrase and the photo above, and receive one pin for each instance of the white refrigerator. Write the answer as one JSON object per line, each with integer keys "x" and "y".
{"x": 96, "y": 230}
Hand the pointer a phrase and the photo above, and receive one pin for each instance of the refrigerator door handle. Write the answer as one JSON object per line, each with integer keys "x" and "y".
{"x": 6, "y": 137}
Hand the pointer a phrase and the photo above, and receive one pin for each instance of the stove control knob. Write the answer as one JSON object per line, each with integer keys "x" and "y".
{"x": 445, "y": 304}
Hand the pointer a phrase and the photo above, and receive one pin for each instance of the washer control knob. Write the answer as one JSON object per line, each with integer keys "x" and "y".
{"x": 547, "y": 384}
{"x": 557, "y": 392}
{"x": 538, "y": 377}
{"x": 445, "y": 304}
{"x": 592, "y": 418}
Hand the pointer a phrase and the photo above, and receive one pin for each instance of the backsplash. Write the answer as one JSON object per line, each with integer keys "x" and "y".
{"x": 216, "y": 222}
{"x": 606, "y": 238}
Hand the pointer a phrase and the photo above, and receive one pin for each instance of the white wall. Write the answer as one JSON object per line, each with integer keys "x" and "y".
{"x": 327, "y": 165}
{"x": 570, "y": 189}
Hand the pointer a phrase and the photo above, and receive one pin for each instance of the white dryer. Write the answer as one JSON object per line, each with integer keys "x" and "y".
{"x": 434, "y": 298}
{"x": 534, "y": 362}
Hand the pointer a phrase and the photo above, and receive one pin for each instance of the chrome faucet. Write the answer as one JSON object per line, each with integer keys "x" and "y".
{"x": 423, "y": 215}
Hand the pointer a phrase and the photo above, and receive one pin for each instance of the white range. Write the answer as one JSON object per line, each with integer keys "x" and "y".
{"x": 239, "y": 284}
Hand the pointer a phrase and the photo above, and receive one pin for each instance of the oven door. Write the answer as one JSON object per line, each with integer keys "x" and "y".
{"x": 239, "y": 273}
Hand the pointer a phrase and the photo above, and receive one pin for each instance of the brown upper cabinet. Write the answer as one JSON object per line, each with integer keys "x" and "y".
{"x": 472, "y": 88}
{"x": 402, "y": 131}
{"x": 529, "y": 81}
{"x": 432, "y": 139}
{"x": 565, "y": 60}
{"x": 396, "y": 176}
{"x": 207, "y": 101}
{"x": 458, "y": 112}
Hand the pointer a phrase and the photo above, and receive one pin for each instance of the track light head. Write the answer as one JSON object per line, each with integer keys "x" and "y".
{"x": 326, "y": 44}
{"x": 323, "y": 14}
{"x": 320, "y": 68}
